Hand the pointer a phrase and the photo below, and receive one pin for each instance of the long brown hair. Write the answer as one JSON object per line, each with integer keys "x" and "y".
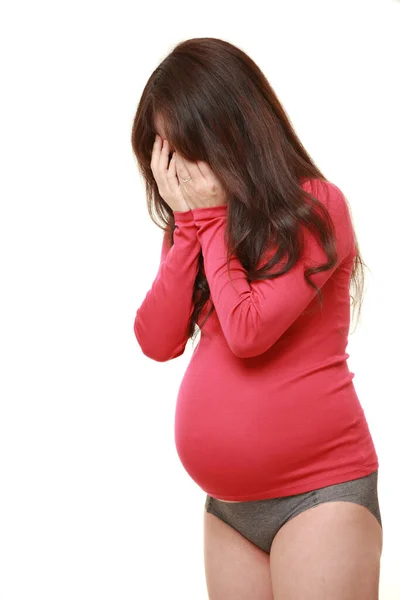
{"x": 217, "y": 106}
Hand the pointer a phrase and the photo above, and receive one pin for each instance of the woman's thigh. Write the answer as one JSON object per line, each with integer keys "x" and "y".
{"x": 277, "y": 520}
{"x": 235, "y": 568}
{"x": 330, "y": 551}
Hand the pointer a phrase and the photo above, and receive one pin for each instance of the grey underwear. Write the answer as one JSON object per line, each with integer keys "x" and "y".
{"x": 260, "y": 520}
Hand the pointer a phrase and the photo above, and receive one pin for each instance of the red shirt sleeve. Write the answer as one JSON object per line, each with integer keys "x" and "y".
{"x": 162, "y": 320}
{"x": 254, "y": 315}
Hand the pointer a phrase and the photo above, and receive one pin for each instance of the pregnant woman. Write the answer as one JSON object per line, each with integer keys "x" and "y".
{"x": 259, "y": 254}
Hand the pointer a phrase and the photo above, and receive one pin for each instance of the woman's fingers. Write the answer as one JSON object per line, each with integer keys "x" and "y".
{"x": 182, "y": 169}
{"x": 164, "y": 155}
{"x": 160, "y": 158}
{"x": 154, "y": 154}
{"x": 172, "y": 175}
{"x": 205, "y": 169}
{"x": 155, "y": 157}
{"x": 159, "y": 161}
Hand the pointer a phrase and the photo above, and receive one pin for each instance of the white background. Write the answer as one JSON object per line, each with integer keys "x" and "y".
{"x": 94, "y": 502}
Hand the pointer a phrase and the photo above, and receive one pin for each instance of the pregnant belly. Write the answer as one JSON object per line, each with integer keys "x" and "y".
{"x": 235, "y": 436}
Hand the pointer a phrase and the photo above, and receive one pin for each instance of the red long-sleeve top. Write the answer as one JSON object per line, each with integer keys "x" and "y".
{"x": 267, "y": 406}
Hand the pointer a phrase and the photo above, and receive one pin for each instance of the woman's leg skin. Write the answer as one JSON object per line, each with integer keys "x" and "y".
{"x": 235, "y": 568}
{"x": 330, "y": 551}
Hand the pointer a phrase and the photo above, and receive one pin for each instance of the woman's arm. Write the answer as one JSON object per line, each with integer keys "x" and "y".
{"x": 162, "y": 321}
{"x": 254, "y": 315}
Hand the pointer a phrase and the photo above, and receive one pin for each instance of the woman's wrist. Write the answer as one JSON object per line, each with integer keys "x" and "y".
{"x": 206, "y": 212}
{"x": 183, "y": 215}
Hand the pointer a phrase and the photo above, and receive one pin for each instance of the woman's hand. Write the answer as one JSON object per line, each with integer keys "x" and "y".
{"x": 204, "y": 189}
{"x": 165, "y": 176}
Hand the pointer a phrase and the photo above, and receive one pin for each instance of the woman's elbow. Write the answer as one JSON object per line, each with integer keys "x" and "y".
{"x": 248, "y": 348}
{"x": 158, "y": 351}
{"x": 163, "y": 356}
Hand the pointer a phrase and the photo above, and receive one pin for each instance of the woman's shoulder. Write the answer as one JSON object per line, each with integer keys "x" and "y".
{"x": 329, "y": 193}
{"x": 323, "y": 185}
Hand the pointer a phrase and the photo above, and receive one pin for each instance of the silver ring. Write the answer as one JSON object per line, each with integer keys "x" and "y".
{"x": 186, "y": 180}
